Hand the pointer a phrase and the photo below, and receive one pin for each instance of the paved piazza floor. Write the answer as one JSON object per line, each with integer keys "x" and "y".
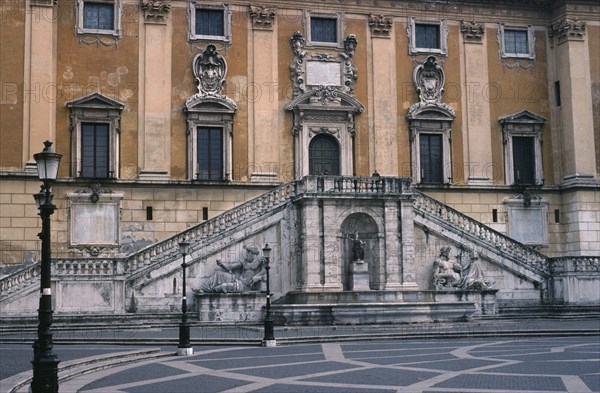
{"x": 561, "y": 364}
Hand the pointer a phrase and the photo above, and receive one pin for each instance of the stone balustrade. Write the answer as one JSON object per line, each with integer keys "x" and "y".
{"x": 575, "y": 264}
{"x": 19, "y": 278}
{"x": 86, "y": 267}
{"x": 208, "y": 230}
{"x": 483, "y": 233}
{"x": 340, "y": 185}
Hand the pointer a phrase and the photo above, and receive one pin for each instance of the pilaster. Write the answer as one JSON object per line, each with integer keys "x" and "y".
{"x": 478, "y": 149}
{"x": 311, "y": 246}
{"x": 579, "y": 155}
{"x": 39, "y": 95}
{"x": 393, "y": 257}
{"x": 263, "y": 111}
{"x": 408, "y": 272}
{"x": 154, "y": 154}
{"x": 385, "y": 119}
{"x": 332, "y": 255}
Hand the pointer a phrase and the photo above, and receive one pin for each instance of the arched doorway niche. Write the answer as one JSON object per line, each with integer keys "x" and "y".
{"x": 368, "y": 231}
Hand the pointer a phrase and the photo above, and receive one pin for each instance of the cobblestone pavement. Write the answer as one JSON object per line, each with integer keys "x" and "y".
{"x": 522, "y": 365}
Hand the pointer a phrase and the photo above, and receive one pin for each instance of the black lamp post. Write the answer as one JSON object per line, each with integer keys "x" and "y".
{"x": 184, "y": 348}
{"x": 45, "y": 362}
{"x": 269, "y": 339}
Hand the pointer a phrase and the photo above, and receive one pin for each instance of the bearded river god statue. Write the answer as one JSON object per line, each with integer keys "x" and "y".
{"x": 247, "y": 275}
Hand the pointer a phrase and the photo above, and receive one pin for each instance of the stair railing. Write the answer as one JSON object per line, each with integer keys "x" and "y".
{"x": 485, "y": 234}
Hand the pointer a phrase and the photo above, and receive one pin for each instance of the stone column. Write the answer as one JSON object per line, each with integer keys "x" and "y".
{"x": 311, "y": 246}
{"x": 408, "y": 244}
{"x": 154, "y": 154}
{"x": 384, "y": 109}
{"x": 393, "y": 256}
{"x": 331, "y": 253}
{"x": 476, "y": 109}
{"x": 263, "y": 110}
{"x": 578, "y": 152}
{"x": 39, "y": 91}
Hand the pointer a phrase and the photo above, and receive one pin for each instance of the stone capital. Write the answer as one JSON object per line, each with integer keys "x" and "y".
{"x": 473, "y": 32}
{"x": 263, "y": 18}
{"x": 155, "y": 11}
{"x": 569, "y": 30}
{"x": 380, "y": 25}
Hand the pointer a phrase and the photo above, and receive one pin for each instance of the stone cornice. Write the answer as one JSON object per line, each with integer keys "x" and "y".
{"x": 44, "y": 3}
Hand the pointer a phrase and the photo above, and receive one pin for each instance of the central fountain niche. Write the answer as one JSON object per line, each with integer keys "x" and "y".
{"x": 361, "y": 228}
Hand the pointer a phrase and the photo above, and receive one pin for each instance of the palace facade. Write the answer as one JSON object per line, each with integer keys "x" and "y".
{"x": 170, "y": 112}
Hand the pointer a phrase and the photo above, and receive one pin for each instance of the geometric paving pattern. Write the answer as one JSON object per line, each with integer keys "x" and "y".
{"x": 536, "y": 365}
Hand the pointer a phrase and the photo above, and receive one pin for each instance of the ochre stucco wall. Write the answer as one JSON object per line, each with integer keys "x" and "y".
{"x": 12, "y": 31}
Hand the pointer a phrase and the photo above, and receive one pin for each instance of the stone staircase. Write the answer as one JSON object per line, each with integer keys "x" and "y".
{"x": 204, "y": 236}
{"x": 161, "y": 260}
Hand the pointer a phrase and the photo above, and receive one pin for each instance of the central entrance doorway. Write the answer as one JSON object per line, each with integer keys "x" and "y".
{"x": 324, "y": 156}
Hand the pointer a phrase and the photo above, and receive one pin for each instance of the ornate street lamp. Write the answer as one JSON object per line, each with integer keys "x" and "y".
{"x": 45, "y": 362}
{"x": 269, "y": 339}
{"x": 184, "y": 348}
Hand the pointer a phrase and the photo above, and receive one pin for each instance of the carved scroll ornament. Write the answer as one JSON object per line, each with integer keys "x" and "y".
{"x": 210, "y": 69}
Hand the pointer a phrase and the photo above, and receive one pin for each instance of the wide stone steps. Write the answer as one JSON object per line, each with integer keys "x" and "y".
{"x": 70, "y": 369}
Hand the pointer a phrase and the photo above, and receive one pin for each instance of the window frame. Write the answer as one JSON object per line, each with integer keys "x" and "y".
{"x": 96, "y": 109}
{"x": 413, "y": 49}
{"x": 338, "y": 16}
{"x": 210, "y": 118}
{"x": 431, "y": 127}
{"x": 225, "y": 8}
{"x": 502, "y": 28}
{"x": 117, "y": 13}
{"x": 95, "y": 151}
{"x": 222, "y": 175}
{"x": 440, "y": 163}
{"x": 522, "y": 124}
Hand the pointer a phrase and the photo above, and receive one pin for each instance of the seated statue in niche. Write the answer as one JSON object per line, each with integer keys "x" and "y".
{"x": 237, "y": 277}
{"x": 448, "y": 273}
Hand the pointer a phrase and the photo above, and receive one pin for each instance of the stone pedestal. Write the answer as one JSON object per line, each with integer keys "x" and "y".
{"x": 359, "y": 276}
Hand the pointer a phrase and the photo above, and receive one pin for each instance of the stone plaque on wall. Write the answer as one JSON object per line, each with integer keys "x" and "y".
{"x": 528, "y": 225}
{"x": 323, "y": 73}
{"x": 94, "y": 219}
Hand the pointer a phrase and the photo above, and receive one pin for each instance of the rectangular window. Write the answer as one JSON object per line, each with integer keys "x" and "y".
{"x": 431, "y": 158}
{"x": 427, "y": 36}
{"x": 323, "y": 29}
{"x": 210, "y": 153}
{"x": 210, "y": 22}
{"x": 523, "y": 159}
{"x": 98, "y": 16}
{"x": 557, "y": 93}
{"x": 94, "y": 150}
{"x": 515, "y": 41}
